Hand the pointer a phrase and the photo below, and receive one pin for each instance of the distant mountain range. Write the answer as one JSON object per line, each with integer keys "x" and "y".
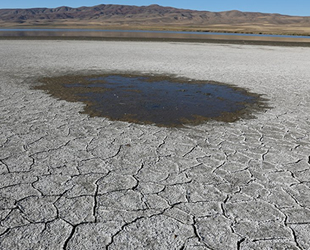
{"x": 154, "y": 17}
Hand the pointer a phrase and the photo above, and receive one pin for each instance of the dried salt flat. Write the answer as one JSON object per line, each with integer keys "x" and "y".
{"x": 74, "y": 182}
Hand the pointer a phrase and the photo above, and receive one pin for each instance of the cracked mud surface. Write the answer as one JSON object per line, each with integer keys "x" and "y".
{"x": 68, "y": 181}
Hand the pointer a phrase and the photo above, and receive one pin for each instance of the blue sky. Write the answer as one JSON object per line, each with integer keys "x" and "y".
{"x": 290, "y": 7}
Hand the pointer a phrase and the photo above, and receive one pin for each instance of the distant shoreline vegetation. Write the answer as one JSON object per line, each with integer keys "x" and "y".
{"x": 133, "y": 30}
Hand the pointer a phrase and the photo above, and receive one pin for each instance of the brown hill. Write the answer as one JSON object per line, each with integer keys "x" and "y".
{"x": 155, "y": 17}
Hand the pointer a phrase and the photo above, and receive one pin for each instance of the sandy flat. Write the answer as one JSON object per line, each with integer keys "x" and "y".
{"x": 68, "y": 181}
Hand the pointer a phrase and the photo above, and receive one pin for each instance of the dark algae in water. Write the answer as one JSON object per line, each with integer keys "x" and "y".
{"x": 160, "y": 100}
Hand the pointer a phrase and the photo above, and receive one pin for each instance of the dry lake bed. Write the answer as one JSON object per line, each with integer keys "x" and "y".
{"x": 72, "y": 181}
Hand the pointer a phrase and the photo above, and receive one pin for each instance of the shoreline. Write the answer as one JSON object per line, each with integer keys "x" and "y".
{"x": 205, "y": 29}
{"x": 244, "y": 41}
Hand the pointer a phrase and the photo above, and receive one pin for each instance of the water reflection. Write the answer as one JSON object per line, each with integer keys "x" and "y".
{"x": 98, "y": 31}
{"x": 145, "y": 34}
{"x": 153, "y": 99}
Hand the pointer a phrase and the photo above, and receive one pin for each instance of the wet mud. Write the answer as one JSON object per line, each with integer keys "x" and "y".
{"x": 160, "y": 100}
